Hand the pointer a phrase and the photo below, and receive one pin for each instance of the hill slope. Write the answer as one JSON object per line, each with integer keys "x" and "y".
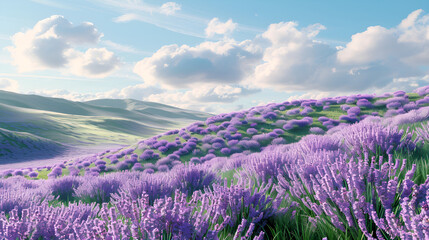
{"x": 82, "y": 124}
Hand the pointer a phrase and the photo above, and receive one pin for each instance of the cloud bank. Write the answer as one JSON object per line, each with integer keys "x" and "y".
{"x": 289, "y": 58}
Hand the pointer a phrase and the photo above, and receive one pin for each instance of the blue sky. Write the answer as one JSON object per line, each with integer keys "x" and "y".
{"x": 212, "y": 56}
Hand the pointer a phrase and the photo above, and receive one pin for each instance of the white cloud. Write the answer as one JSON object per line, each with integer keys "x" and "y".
{"x": 210, "y": 95}
{"x": 138, "y": 92}
{"x": 221, "y": 28}
{"x": 95, "y": 62}
{"x": 408, "y": 43}
{"x": 410, "y": 21}
{"x": 170, "y": 8}
{"x": 127, "y": 17}
{"x": 375, "y": 44}
{"x": 62, "y": 93}
{"x": 51, "y": 44}
{"x": 291, "y": 59}
{"x": 222, "y": 62}
{"x": 295, "y": 61}
{"x": 9, "y": 85}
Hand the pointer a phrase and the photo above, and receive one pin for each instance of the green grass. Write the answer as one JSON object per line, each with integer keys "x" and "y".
{"x": 170, "y": 138}
{"x": 414, "y": 97}
{"x": 334, "y": 112}
{"x": 230, "y": 176}
{"x": 43, "y": 174}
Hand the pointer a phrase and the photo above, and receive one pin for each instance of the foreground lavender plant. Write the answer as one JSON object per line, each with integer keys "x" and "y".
{"x": 372, "y": 136}
{"x": 362, "y": 194}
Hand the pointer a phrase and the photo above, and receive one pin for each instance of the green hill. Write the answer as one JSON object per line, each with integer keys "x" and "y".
{"x": 82, "y": 124}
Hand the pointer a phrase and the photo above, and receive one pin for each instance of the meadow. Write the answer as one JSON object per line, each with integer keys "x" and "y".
{"x": 347, "y": 167}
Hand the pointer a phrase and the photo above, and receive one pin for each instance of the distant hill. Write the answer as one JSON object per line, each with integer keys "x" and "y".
{"x": 149, "y": 108}
{"x": 79, "y": 124}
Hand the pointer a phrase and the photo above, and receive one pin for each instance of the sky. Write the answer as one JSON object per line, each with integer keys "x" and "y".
{"x": 212, "y": 56}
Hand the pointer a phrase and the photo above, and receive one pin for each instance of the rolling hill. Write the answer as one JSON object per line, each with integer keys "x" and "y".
{"x": 69, "y": 124}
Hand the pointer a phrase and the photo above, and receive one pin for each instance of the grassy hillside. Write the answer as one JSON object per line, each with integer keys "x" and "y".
{"x": 93, "y": 123}
{"x": 353, "y": 167}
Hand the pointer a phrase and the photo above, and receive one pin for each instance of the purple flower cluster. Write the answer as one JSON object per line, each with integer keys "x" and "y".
{"x": 306, "y": 121}
{"x": 328, "y": 123}
{"x": 372, "y": 137}
{"x": 422, "y": 91}
{"x": 364, "y": 103}
{"x": 148, "y": 155}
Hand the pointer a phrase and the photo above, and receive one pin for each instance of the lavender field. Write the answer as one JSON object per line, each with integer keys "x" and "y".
{"x": 348, "y": 167}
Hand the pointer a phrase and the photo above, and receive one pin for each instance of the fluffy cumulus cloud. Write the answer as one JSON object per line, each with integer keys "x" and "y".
{"x": 9, "y": 85}
{"x": 52, "y": 44}
{"x": 95, "y": 62}
{"x": 220, "y": 28}
{"x": 408, "y": 43}
{"x": 170, "y": 8}
{"x": 222, "y": 62}
{"x": 292, "y": 59}
{"x": 371, "y": 60}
